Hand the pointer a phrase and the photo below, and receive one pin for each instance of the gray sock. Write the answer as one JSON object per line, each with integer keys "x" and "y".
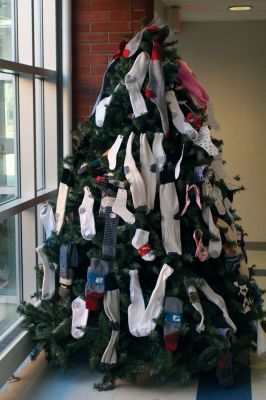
{"x": 111, "y": 221}
{"x": 173, "y": 308}
{"x": 68, "y": 260}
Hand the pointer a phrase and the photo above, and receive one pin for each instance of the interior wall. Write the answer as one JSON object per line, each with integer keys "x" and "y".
{"x": 229, "y": 59}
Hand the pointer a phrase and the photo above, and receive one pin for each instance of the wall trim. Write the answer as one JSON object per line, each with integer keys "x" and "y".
{"x": 260, "y": 246}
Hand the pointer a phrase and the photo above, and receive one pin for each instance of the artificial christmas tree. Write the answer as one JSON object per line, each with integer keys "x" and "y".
{"x": 151, "y": 265}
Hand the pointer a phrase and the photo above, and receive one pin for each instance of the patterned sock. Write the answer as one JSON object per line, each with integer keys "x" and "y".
{"x": 141, "y": 242}
{"x": 173, "y": 308}
{"x": 111, "y": 221}
{"x": 204, "y": 141}
{"x": 133, "y": 176}
{"x": 134, "y": 80}
{"x": 95, "y": 286}
{"x": 48, "y": 283}
{"x": 87, "y": 223}
{"x": 79, "y": 318}
{"x": 148, "y": 171}
{"x": 169, "y": 206}
{"x": 120, "y": 207}
{"x": 47, "y": 218}
{"x": 155, "y": 90}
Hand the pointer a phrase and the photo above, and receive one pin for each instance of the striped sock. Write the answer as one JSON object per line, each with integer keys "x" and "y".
{"x": 111, "y": 221}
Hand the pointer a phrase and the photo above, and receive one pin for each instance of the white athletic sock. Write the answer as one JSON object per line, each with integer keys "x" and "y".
{"x": 141, "y": 242}
{"x": 133, "y": 176}
{"x": 61, "y": 200}
{"x": 112, "y": 152}
{"x": 195, "y": 301}
{"x": 169, "y": 206}
{"x": 47, "y": 218}
{"x": 134, "y": 80}
{"x": 155, "y": 90}
{"x": 101, "y": 110}
{"x": 219, "y": 302}
{"x": 48, "y": 283}
{"x": 87, "y": 223}
{"x": 178, "y": 117}
{"x": 218, "y": 200}
{"x": 178, "y": 164}
{"x": 204, "y": 141}
{"x": 141, "y": 322}
{"x": 148, "y": 171}
{"x": 79, "y": 318}
{"x": 158, "y": 153}
{"x": 215, "y": 247}
{"x": 119, "y": 207}
{"x": 221, "y": 174}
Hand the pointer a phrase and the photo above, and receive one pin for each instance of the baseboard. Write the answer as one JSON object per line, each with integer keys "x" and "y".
{"x": 259, "y": 246}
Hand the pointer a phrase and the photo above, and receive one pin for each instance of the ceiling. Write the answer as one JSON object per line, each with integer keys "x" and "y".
{"x": 216, "y": 10}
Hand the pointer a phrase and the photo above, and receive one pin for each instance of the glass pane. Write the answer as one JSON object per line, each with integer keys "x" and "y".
{"x": 40, "y": 145}
{"x": 6, "y": 30}
{"x": 9, "y": 273}
{"x": 24, "y": 31}
{"x": 49, "y": 34}
{"x": 8, "y": 162}
{"x": 38, "y": 32}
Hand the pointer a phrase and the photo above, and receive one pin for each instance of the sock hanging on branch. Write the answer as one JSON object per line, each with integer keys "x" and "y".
{"x": 68, "y": 258}
{"x": 112, "y": 152}
{"x": 173, "y": 308}
{"x": 141, "y": 242}
{"x": 148, "y": 171}
{"x": 95, "y": 286}
{"x": 48, "y": 283}
{"x": 79, "y": 318}
{"x": 221, "y": 174}
{"x": 87, "y": 223}
{"x": 64, "y": 185}
{"x": 111, "y": 221}
{"x": 120, "y": 207}
{"x": 195, "y": 301}
{"x": 47, "y": 218}
{"x": 158, "y": 153}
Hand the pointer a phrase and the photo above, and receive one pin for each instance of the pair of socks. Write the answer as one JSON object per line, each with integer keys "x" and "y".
{"x": 141, "y": 242}
{"x": 111, "y": 303}
{"x": 178, "y": 117}
{"x": 169, "y": 206}
{"x": 62, "y": 199}
{"x": 48, "y": 282}
{"x": 173, "y": 308}
{"x": 134, "y": 80}
{"x": 111, "y": 220}
{"x": 140, "y": 319}
{"x": 95, "y": 286}
{"x": 221, "y": 174}
{"x": 80, "y": 316}
{"x": 155, "y": 90}
{"x": 87, "y": 222}
{"x": 47, "y": 218}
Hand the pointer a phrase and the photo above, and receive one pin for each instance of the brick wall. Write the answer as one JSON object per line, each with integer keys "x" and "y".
{"x": 97, "y": 26}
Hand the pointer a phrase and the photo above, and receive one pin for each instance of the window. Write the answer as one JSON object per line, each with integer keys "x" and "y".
{"x": 30, "y": 141}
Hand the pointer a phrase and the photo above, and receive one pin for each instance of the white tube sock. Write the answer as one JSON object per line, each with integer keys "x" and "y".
{"x": 47, "y": 218}
{"x": 101, "y": 110}
{"x": 178, "y": 164}
{"x": 120, "y": 207}
{"x": 61, "y": 206}
{"x": 148, "y": 171}
{"x": 140, "y": 321}
{"x": 221, "y": 174}
{"x": 112, "y": 153}
{"x": 158, "y": 153}
{"x": 204, "y": 141}
{"x": 170, "y": 226}
{"x": 134, "y": 80}
{"x": 133, "y": 176}
{"x": 48, "y": 283}
{"x": 79, "y": 318}
{"x": 178, "y": 117}
{"x": 195, "y": 301}
{"x": 215, "y": 247}
{"x": 141, "y": 242}
{"x": 87, "y": 223}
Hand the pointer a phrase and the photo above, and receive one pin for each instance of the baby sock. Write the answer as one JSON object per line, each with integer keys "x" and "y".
{"x": 95, "y": 286}
{"x": 195, "y": 301}
{"x": 120, "y": 207}
{"x": 141, "y": 242}
{"x": 134, "y": 178}
{"x": 173, "y": 308}
{"x": 219, "y": 302}
{"x": 155, "y": 90}
{"x": 111, "y": 302}
{"x": 79, "y": 318}
{"x": 178, "y": 117}
{"x": 48, "y": 283}
{"x": 204, "y": 141}
{"x": 158, "y": 153}
{"x": 61, "y": 200}
{"x": 215, "y": 246}
{"x": 47, "y": 218}
{"x": 148, "y": 171}
{"x": 221, "y": 174}
{"x": 134, "y": 80}
{"x": 169, "y": 206}
{"x": 141, "y": 321}
{"x": 87, "y": 223}
{"x": 111, "y": 221}
{"x": 112, "y": 153}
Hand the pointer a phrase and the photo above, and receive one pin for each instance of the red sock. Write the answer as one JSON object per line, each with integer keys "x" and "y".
{"x": 92, "y": 300}
{"x": 171, "y": 341}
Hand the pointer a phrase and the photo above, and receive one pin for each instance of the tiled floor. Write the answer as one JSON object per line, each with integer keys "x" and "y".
{"x": 40, "y": 382}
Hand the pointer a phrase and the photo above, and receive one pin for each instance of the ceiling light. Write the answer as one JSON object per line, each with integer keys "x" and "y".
{"x": 240, "y": 8}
